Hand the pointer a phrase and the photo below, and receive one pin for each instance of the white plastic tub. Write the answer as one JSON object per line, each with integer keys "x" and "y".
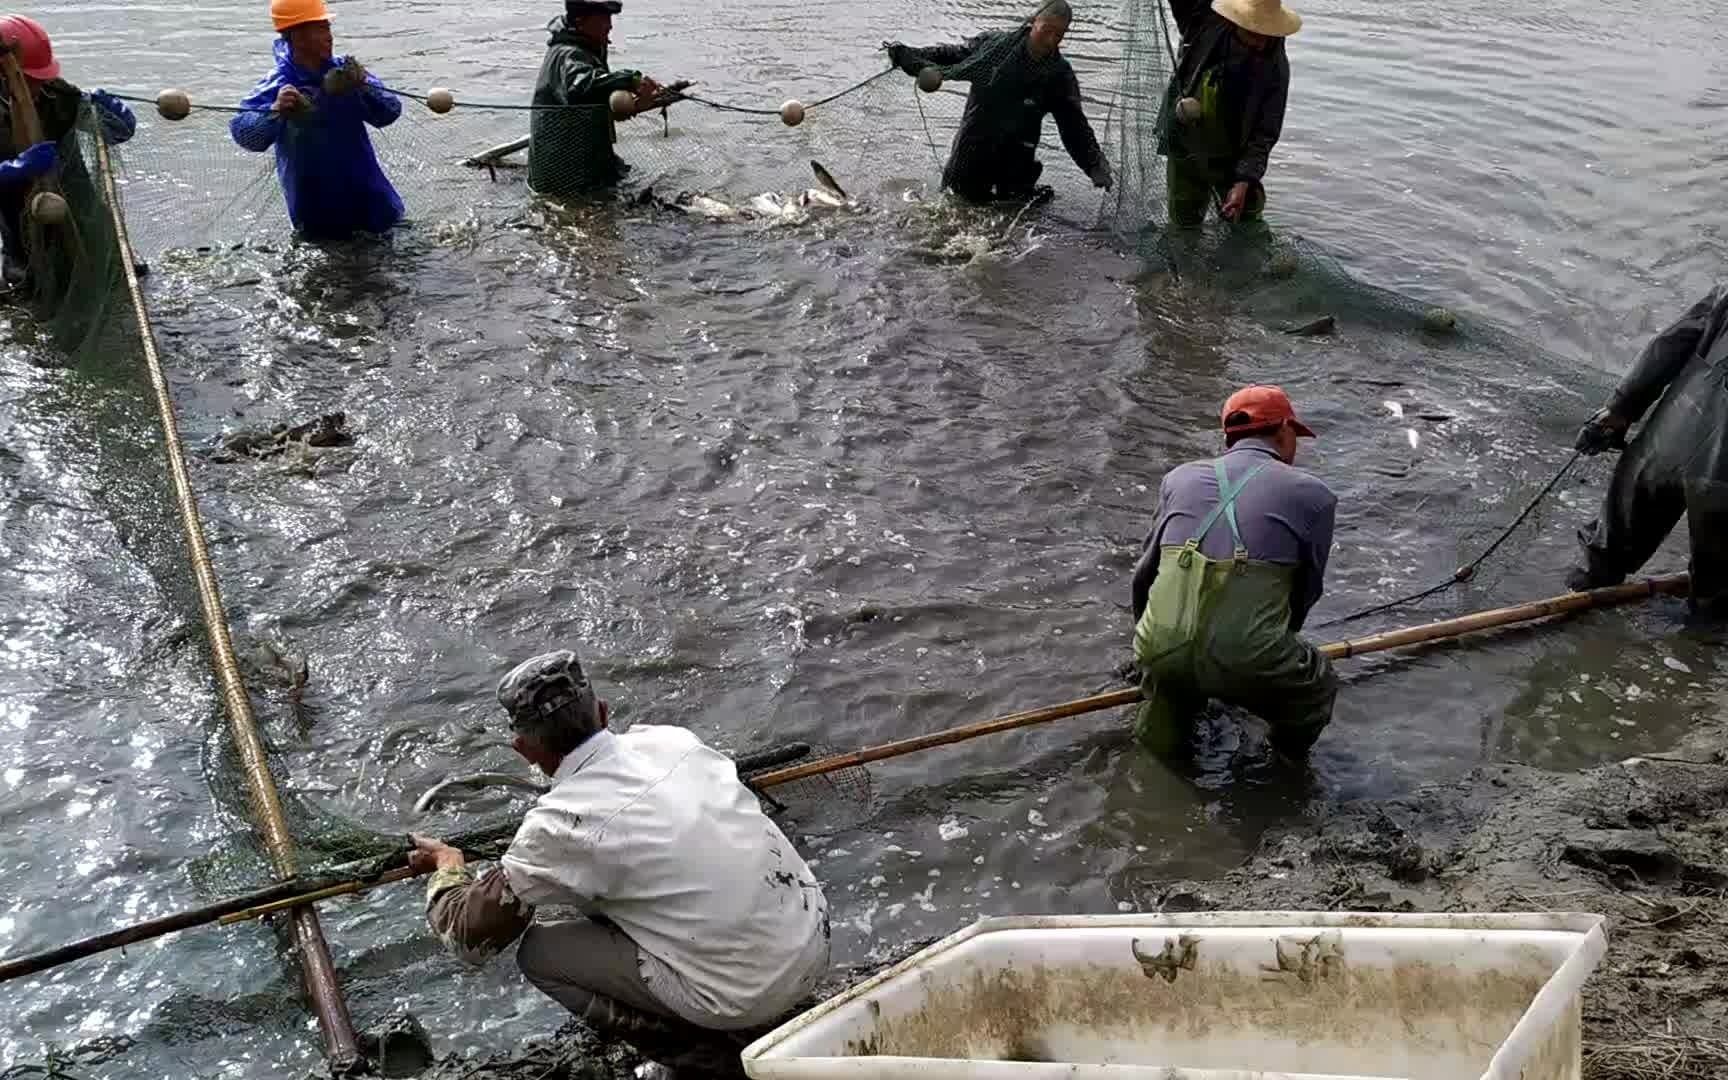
{"x": 1219, "y": 996}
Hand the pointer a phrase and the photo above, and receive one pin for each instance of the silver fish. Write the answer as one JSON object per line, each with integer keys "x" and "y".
{"x": 770, "y": 206}
{"x": 468, "y": 785}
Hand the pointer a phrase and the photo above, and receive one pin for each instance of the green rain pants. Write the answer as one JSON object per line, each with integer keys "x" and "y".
{"x": 1220, "y": 629}
{"x": 1201, "y": 168}
{"x": 1194, "y": 187}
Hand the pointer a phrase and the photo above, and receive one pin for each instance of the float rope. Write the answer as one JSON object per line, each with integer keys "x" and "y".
{"x": 496, "y": 106}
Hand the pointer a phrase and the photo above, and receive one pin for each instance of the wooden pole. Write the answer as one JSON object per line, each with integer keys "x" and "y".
{"x": 341, "y": 1044}
{"x": 349, "y": 877}
{"x": 1440, "y": 631}
{"x": 292, "y": 895}
{"x": 1613, "y": 596}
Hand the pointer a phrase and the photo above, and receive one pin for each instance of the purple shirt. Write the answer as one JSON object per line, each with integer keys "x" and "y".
{"x": 1286, "y": 517}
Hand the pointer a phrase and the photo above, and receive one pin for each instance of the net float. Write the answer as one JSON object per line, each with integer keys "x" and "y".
{"x": 174, "y": 104}
{"x": 49, "y": 208}
{"x": 792, "y": 113}
{"x": 1439, "y": 320}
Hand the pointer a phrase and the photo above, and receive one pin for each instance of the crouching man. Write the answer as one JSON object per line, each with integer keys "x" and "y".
{"x": 701, "y": 927}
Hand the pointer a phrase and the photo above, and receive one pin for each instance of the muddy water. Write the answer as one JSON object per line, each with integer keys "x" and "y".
{"x": 700, "y": 455}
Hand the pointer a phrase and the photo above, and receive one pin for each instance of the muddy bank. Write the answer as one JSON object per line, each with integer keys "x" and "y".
{"x": 1644, "y": 842}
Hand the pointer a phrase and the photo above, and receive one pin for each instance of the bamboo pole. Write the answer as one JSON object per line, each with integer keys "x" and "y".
{"x": 338, "y": 880}
{"x": 1613, "y": 596}
{"x": 1450, "y": 628}
{"x": 347, "y": 880}
{"x": 341, "y": 1045}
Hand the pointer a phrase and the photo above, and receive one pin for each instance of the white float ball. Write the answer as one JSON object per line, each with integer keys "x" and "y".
{"x": 623, "y": 104}
{"x": 174, "y": 104}
{"x": 440, "y": 101}
{"x": 49, "y": 208}
{"x": 792, "y": 113}
{"x": 1188, "y": 110}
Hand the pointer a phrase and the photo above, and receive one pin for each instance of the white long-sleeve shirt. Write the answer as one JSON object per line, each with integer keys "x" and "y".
{"x": 654, "y": 831}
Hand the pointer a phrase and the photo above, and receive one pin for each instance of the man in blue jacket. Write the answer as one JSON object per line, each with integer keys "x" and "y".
{"x": 314, "y": 108}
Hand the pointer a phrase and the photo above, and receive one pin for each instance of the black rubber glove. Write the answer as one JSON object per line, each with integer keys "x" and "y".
{"x": 898, "y": 54}
{"x": 1603, "y": 432}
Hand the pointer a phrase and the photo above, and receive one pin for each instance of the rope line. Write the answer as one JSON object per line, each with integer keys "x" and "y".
{"x": 1468, "y": 571}
{"x": 498, "y": 106}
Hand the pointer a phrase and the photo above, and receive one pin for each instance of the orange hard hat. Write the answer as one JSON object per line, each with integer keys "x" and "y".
{"x": 27, "y": 40}
{"x": 287, "y": 14}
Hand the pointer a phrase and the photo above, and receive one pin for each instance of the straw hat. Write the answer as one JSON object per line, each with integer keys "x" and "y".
{"x": 1268, "y": 17}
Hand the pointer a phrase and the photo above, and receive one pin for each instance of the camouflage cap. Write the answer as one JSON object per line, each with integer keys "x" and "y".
{"x": 539, "y": 687}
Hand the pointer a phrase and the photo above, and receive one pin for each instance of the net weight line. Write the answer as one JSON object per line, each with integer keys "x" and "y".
{"x": 1468, "y": 570}
{"x": 489, "y": 843}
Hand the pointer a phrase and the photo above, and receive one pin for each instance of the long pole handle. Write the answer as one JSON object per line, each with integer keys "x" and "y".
{"x": 285, "y": 897}
{"x": 1417, "y": 635}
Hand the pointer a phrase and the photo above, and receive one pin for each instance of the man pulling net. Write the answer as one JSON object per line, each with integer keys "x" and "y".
{"x": 572, "y": 130}
{"x": 1224, "y": 111}
{"x": 1678, "y": 463}
{"x": 1018, "y": 77}
{"x": 700, "y": 926}
{"x": 313, "y": 109}
{"x": 27, "y": 161}
{"x": 1233, "y": 565}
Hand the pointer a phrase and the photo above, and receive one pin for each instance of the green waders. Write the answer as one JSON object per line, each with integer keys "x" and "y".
{"x": 1201, "y": 168}
{"x": 1220, "y": 629}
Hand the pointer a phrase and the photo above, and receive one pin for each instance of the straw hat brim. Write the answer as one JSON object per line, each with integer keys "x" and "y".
{"x": 1272, "y": 20}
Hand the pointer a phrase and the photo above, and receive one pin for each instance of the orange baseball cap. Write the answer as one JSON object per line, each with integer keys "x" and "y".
{"x": 1266, "y": 408}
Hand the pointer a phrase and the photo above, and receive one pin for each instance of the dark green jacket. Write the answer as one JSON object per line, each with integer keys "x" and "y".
{"x": 1681, "y": 381}
{"x": 1004, "y": 119}
{"x": 1206, "y": 37}
{"x": 571, "y": 152}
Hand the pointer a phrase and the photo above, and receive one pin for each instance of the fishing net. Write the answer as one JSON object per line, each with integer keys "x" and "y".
{"x": 195, "y": 201}
{"x": 191, "y": 190}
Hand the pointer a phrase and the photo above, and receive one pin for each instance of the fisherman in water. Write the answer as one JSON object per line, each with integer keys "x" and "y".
{"x": 1224, "y": 110}
{"x": 1018, "y": 77}
{"x": 57, "y": 104}
{"x": 572, "y": 129}
{"x": 1677, "y": 464}
{"x": 702, "y": 925}
{"x": 314, "y": 109}
{"x": 1234, "y": 563}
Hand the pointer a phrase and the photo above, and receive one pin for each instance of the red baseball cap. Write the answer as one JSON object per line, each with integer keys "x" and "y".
{"x": 1266, "y": 408}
